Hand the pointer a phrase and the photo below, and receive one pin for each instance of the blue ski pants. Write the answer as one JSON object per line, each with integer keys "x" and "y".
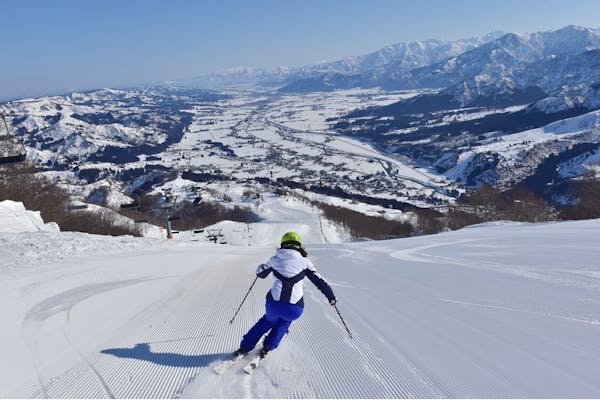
{"x": 278, "y": 318}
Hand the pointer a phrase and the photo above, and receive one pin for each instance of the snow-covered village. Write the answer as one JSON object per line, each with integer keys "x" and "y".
{"x": 408, "y": 220}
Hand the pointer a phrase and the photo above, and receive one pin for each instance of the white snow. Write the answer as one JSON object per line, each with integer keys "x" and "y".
{"x": 15, "y": 218}
{"x": 498, "y": 310}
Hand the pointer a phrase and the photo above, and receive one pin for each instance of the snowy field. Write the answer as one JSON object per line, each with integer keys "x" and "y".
{"x": 500, "y": 310}
{"x": 245, "y": 135}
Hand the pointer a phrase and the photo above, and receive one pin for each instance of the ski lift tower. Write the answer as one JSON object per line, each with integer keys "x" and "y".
{"x": 168, "y": 206}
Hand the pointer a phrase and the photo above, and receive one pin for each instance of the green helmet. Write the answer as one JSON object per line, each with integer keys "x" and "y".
{"x": 291, "y": 239}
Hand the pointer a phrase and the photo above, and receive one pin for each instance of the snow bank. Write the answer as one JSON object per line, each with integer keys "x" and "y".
{"x": 15, "y": 218}
{"x": 26, "y": 241}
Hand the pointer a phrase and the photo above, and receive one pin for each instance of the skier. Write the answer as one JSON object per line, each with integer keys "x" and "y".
{"x": 284, "y": 302}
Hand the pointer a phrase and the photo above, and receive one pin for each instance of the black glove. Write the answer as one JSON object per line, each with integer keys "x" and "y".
{"x": 332, "y": 302}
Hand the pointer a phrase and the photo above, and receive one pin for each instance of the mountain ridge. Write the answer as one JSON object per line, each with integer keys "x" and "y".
{"x": 406, "y": 55}
{"x": 493, "y": 59}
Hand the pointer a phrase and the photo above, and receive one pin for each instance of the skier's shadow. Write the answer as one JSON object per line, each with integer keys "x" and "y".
{"x": 141, "y": 351}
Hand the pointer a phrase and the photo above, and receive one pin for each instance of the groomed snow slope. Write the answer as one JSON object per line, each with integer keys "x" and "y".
{"x": 500, "y": 310}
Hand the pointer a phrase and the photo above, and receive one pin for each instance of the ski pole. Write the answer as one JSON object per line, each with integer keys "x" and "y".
{"x": 247, "y": 293}
{"x": 343, "y": 322}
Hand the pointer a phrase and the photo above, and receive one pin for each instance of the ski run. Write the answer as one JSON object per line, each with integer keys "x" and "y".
{"x": 498, "y": 310}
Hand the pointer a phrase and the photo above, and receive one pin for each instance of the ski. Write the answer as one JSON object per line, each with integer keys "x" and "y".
{"x": 252, "y": 365}
{"x": 223, "y": 366}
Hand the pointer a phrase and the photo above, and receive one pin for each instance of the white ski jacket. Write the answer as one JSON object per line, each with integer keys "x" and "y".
{"x": 289, "y": 268}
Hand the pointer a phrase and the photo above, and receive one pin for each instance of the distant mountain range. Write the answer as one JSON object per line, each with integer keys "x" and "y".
{"x": 382, "y": 65}
{"x": 559, "y": 67}
{"x": 430, "y": 63}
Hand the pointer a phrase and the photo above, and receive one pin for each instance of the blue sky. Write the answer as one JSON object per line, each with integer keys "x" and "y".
{"x": 51, "y": 46}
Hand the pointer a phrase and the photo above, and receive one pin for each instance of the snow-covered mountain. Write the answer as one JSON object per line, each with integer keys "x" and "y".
{"x": 497, "y": 68}
{"x": 481, "y": 67}
{"x": 382, "y": 65}
{"x": 507, "y": 86}
{"x": 501, "y": 310}
{"x": 556, "y": 62}
{"x": 503, "y": 57}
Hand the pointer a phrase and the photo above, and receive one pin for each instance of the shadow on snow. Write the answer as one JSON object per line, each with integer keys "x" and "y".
{"x": 141, "y": 351}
